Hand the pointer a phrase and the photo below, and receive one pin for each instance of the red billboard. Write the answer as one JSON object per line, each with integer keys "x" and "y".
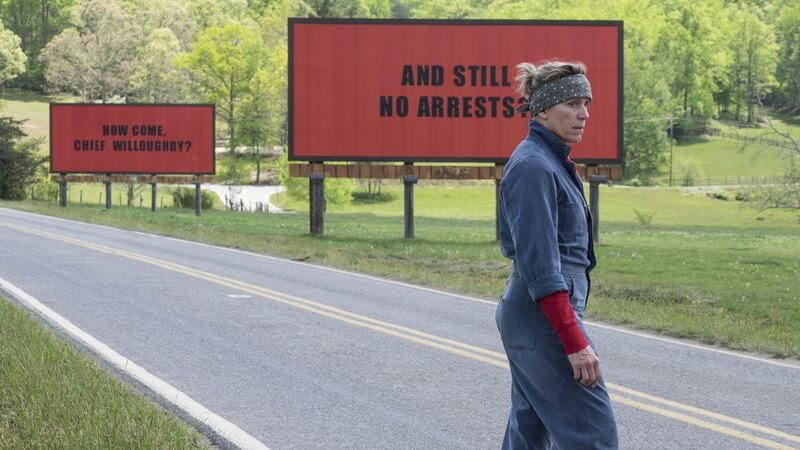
{"x": 438, "y": 90}
{"x": 121, "y": 139}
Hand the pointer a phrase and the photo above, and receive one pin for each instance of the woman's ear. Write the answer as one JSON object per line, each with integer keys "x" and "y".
{"x": 542, "y": 114}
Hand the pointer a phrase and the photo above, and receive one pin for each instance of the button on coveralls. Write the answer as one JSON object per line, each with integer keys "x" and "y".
{"x": 545, "y": 228}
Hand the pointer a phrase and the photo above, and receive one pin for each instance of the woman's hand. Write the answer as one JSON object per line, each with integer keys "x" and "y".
{"x": 585, "y": 366}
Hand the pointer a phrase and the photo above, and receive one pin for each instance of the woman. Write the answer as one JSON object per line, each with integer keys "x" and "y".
{"x": 558, "y": 398}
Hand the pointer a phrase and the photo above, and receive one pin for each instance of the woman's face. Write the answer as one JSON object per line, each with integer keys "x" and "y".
{"x": 566, "y": 119}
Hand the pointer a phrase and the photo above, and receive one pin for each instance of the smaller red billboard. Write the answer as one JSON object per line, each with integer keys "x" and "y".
{"x": 121, "y": 139}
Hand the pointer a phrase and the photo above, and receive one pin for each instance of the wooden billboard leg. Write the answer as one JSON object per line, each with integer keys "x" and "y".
{"x": 107, "y": 182}
{"x": 316, "y": 183}
{"x": 197, "y": 198}
{"x": 408, "y": 182}
{"x": 153, "y": 191}
{"x": 62, "y": 200}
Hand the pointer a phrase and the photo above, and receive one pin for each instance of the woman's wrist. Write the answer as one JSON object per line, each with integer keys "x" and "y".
{"x": 559, "y": 313}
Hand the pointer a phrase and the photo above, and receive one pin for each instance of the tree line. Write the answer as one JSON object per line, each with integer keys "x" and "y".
{"x": 683, "y": 59}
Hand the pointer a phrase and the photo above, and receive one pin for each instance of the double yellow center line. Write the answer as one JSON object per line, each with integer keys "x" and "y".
{"x": 667, "y": 408}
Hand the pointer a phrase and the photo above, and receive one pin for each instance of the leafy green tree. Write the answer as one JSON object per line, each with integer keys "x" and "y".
{"x": 223, "y": 61}
{"x": 216, "y": 13}
{"x": 647, "y": 93}
{"x": 787, "y": 26}
{"x": 93, "y": 59}
{"x": 156, "y": 79}
{"x": 755, "y": 55}
{"x": 12, "y": 59}
{"x": 175, "y": 15}
{"x": 692, "y": 43}
{"x": 648, "y": 75}
{"x": 36, "y": 22}
{"x": 446, "y": 9}
{"x": 253, "y": 125}
{"x": 19, "y": 160}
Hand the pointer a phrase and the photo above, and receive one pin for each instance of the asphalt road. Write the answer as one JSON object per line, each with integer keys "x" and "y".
{"x": 304, "y": 357}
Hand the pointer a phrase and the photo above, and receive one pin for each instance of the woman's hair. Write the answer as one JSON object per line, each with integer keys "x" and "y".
{"x": 530, "y": 77}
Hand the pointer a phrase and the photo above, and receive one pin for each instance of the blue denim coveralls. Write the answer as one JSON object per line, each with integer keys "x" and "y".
{"x": 545, "y": 228}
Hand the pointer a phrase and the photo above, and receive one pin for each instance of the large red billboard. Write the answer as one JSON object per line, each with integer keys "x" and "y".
{"x": 121, "y": 139}
{"x": 435, "y": 90}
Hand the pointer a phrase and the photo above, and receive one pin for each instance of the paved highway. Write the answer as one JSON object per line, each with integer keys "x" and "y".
{"x": 296, "y": 356}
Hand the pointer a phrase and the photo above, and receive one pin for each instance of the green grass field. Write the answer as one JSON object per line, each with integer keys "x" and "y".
{"x": 33, "y": 107}
{"x": 618, "y": 204}
{"x": 722, "y": 158}
{"x": 54, "y": 397}
{"x": 706, "y": 269}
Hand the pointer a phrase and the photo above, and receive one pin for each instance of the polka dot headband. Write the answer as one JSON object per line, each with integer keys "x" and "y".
{"x": 557, "y": 91}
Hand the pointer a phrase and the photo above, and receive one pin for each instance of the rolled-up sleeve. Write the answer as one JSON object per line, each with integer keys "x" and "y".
{"x": 529, "y": 201}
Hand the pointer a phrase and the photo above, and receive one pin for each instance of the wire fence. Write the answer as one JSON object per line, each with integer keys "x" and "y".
{"x": 733, "y": 135}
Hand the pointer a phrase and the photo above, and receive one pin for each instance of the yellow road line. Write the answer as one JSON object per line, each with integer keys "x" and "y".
{"x": 700, "y": 423}
{"x": 429, "y": 340}
{"x": 703, "y": 412}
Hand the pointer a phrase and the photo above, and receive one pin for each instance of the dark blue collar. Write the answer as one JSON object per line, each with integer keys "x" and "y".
{"x": 556, "y": 145}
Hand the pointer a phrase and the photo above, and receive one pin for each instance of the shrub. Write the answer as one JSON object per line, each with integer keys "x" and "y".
{"x": 338, "y": 191}
{"x": 635, "y": 182}
{"x": 235, "y": 171}
{"x": 688, "y": 173}
{"x": 18, "y": 159}
{"x": 720, "y": 194}
{"x": 644, "y": 217}
{"x": 184, "y": 198}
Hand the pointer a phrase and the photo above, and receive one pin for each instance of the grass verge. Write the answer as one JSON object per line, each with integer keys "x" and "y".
{"x": 54, "y": 397}
{"x": 725, "y": 279}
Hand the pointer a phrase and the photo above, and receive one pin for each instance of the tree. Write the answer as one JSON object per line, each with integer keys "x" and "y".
{"x": 647, "y": 74}
{"x": 222, "y": 61}
{"x": 691, "y": 42}
{"x": 36, "y": 22}
{"x": 156, "y": 79}
{"x": 94, "y": 59}
{"x": 12, "y": 59}
{"x": 754, "y": 59}
{"x": 254, "y": 122}
{"x": 18, "y": 159}
{"x": 787, "y": 26}
{"x": 215, "y": 13}
{"x": 446, "y": 9}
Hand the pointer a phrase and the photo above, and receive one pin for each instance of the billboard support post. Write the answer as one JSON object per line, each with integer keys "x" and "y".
{"x": 594, "y": 201}
{"x": 197, "y": 195}
{"x": 316, "y": 182}
{"x": 62, "y": 191}
{"x": 107, "y": 182}
{"x": 408, "y": 183}
{"x": 153, "y": 184}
